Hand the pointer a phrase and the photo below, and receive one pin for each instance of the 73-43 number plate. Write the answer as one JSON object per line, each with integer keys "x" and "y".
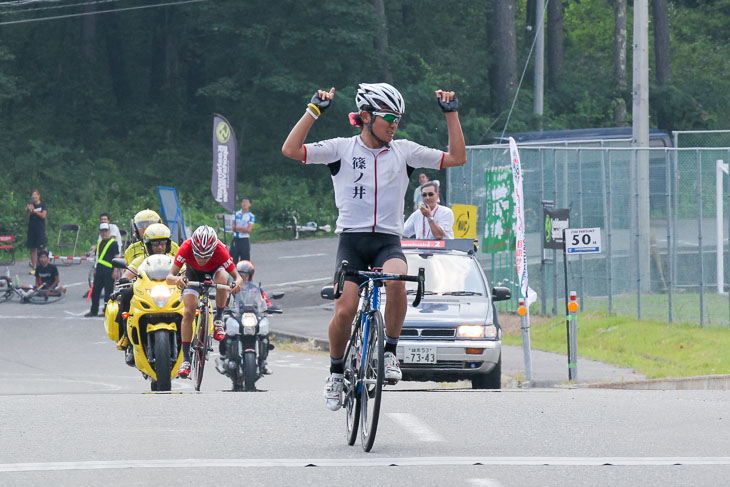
{"x": 419, "y": 355}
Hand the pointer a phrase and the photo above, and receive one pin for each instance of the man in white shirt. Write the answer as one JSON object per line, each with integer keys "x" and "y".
{"x": 430, "y": 221}
{"x": 242, "y": 228}
{"x": 422, "y": 179}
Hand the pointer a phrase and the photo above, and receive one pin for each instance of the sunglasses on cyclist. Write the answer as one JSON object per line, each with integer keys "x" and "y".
{"x": 427, "y": 194}
{"x": 388, "y": 117}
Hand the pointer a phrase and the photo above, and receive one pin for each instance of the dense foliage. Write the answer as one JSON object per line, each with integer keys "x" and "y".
{"x": 97, "y": 110}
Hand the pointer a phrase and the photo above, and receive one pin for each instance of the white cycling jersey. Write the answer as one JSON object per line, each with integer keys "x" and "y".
{"x": 370, "y": 184}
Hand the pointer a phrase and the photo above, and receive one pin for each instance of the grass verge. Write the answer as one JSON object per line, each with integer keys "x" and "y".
{"x": 653, "y": 348}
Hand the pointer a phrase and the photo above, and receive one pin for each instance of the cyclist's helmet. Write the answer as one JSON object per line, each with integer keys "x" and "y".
{"x": 204, "y": 241}
{"x": 157, "y": 232}
{"x": 246, "y": 269}
{"x": 379, "y": 96}
{"x": 144, "y": 219}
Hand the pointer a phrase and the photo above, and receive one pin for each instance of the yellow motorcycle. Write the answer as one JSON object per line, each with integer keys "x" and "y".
{"x": 153, "y": 322}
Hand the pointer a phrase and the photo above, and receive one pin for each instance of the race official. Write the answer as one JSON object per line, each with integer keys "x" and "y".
{"x": 430, "y": 221}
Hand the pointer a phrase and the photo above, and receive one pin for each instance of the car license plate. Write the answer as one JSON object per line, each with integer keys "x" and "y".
{"x": 419, "y": 355}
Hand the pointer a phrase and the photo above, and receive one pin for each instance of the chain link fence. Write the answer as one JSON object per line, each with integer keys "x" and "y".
{"x": 685, "y": 230}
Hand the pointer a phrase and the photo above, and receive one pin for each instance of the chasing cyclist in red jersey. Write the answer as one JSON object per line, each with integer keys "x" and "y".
{"x": 205, "y": 258}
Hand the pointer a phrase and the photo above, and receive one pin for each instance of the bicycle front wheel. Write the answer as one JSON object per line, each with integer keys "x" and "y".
{"x": 372, "y": 380}
{"x": 200, "y": 349}
{"x": 6, "y": 289}
{"x": 352, "y": 400}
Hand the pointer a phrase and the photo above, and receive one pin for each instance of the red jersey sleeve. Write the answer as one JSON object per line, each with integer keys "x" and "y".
{"x": 223, "y": 258}
{"x": 183, "y": 253}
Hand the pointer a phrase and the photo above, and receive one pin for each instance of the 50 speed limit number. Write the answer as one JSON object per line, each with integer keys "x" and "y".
{"x": 582, "y": 240}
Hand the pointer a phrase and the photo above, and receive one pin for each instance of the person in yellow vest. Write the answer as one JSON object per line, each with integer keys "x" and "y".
{"x": 104, "y": 274}
{"x": 142, "y": 220}
{"x": 157, "y": 240}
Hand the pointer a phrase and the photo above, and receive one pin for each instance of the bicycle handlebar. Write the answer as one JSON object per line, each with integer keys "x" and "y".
{"x": 343, "y": 271}
{"x": 210, "y": 284}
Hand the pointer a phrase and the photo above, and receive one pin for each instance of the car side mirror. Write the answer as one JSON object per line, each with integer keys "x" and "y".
{"x": 501, "y": 293}
{"x": 328, "y": 292}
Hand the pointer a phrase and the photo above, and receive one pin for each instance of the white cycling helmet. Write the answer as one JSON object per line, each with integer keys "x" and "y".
{"x": 379, "y": 96}
{"x": 204, "y": 241}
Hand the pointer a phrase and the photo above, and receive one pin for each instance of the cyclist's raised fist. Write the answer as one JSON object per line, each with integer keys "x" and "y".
{"x": 323, "y": 99}
{"x": 447, "y": 101}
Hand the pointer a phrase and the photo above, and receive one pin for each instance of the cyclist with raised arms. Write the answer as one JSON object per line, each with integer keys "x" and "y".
{"x": 370, "y": 173}
{"x": 205, "y": 258}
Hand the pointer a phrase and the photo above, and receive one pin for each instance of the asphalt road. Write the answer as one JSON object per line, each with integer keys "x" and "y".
{"x": 71, "y": 413}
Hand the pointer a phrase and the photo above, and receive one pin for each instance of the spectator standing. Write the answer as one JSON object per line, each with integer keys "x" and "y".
{"x": 36, "y": 212}
{"x": 430, "y": 220}
{"x": 104, "y": 274}
{"x": 242, "y": 227}
{"x": 422, "y": 179}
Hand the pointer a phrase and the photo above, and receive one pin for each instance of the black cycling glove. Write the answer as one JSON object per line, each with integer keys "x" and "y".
{"x": 320, "y": 103}
{"x": 452, "y": 106}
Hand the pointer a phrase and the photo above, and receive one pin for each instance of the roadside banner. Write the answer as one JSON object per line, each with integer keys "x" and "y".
{"x": 519, "y": 224}
{"x": 498, "y": 211}
{"x": 465, "y": 221}
{"x": 223, "y": 182}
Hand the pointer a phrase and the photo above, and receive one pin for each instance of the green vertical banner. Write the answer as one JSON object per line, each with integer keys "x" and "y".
{"x": 499, "y": 210}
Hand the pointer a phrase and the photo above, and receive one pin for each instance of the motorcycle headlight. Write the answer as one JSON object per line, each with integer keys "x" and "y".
{"x": 470, "y": 331}
{"x": 160, "y": 294}
{"x": 249, "y": 321}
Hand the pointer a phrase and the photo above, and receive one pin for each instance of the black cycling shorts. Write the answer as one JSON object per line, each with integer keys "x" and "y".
{"x": 366, "y": 250}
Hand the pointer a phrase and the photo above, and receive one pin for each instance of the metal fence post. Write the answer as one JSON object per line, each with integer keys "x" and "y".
{"x": 699, "y": 237}
{"x": 555, "y": 252}
{"x": 609, "y": 217}
{"x": 637, "y": 264}
{"x": 670, "y": 274}
{"x": 543, "y": 280}
{"x": 580, "y": 220}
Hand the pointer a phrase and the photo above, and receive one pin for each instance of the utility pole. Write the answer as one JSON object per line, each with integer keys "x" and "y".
{"x": 539, "y": 59}
{"x": 640, "y": 135}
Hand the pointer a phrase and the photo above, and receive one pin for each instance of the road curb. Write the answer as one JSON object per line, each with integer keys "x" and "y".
{"x": 701, "y": 382}
{"x": 316, "y": 342}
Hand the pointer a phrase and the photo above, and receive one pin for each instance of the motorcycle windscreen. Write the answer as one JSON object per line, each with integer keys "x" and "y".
{"x": 250, "y": 297}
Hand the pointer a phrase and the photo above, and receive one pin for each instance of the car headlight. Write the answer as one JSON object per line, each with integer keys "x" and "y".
{"x": 470, "y": 331}
{"x": 160, "y": 294}
{"x": 249, "y": 321}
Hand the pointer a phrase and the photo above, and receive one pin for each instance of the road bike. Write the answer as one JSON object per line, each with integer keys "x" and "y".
{"x": 202, "y": 343}
{"x": 364, "y": 368}
{"x": 9, "y": 290}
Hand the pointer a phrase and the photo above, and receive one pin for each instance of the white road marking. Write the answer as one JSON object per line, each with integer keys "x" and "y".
{"x": 300, "y": 256}
{"x": 485, "y": 482}
{"x": 290, "y": 283}
{"x": 76, "y": 284}
{"x": 82, "y": 313}
{"x": 366, "y": 462}
{"x": 420, "y": 430}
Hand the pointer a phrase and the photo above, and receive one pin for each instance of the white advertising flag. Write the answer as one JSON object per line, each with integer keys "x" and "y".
{"x": 520, "y": 254}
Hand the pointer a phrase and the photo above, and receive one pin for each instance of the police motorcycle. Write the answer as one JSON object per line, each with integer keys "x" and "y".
{"x": 153, "y": 322}
{"x": 246, "y": 346}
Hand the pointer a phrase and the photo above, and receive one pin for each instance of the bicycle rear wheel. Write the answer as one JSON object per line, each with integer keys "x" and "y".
{"x": 200, "y": 349}
{"x": 352, "y": 400}
{"x": 45, "y": 297}
{"x": 372, "y": 373}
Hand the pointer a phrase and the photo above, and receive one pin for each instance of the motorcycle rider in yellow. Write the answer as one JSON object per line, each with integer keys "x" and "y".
{"x": 142, "y": 220}
{"x": 156, "y": 240}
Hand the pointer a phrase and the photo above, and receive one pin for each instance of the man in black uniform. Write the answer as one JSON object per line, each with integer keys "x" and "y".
{"x": 104, "y": 274}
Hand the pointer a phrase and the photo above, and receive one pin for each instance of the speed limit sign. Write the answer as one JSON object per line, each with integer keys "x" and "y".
{"x": 582, "y": 240}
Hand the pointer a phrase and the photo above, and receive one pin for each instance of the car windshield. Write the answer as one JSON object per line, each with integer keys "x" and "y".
{"x": 447, "y": 274}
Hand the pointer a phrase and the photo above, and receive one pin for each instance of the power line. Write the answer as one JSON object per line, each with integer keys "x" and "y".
{"x": 100, "y": 12}
{"x": 52, "y": 7}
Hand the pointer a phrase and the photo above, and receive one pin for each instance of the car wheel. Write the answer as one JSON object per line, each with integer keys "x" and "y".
{"x": 490, "y": 380}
